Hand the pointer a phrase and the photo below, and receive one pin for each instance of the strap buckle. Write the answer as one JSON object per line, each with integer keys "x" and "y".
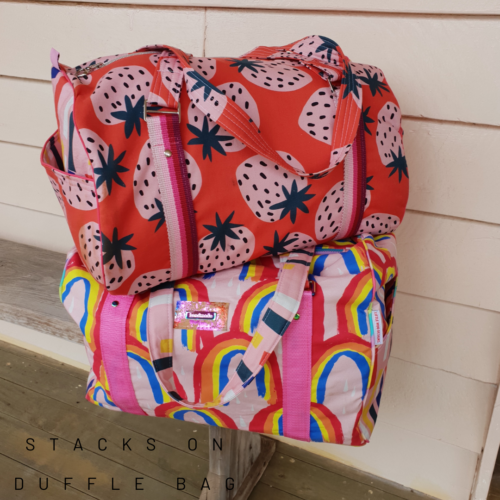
{"x": 158, "y": 110}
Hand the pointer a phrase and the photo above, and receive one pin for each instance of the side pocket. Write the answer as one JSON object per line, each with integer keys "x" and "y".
{"x": 77, "y": 197}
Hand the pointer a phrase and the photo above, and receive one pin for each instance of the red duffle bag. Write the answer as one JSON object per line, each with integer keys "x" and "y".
{"x": 168, "y": 165}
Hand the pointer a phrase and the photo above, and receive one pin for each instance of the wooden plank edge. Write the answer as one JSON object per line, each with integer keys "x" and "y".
{"x": 267, "y": 449}
{"x": 40, "y": 322}
{"x": 349, "y": 472}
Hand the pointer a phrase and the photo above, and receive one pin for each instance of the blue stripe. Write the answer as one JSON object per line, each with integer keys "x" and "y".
{"x": 153, "y": 381}
{"x": 224, "y": 367}
{"x": 254, "y": 321}
{"x": 350, "y": 262}
{"x": 244, "y": 271}
{"x": 179, "y": 415}
{"x": 319, "y": 265}
{"x": 67, "y": 291}
{"x": 108, "y": 401}
{"x": 143, "y": 329}
{"x": 315, "y": 431}
{"x": 361, "y": 363}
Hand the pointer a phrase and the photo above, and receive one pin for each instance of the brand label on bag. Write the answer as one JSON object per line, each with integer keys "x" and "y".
{"x": 377, "y": 324}
{"x": 190, "y": 315}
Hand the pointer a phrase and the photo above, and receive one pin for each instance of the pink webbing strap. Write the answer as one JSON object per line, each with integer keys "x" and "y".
{"x": 297, "y": 373}
{"x": 175, "y": 193}
{"x": 114, "y": 352}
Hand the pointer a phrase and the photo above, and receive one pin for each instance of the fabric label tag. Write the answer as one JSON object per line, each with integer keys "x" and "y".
{"x": 377, "y": 324}
{"x": 191, "y": 315}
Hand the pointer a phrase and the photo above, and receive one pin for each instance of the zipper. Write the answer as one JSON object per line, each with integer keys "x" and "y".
{"x": 93, "y": 67}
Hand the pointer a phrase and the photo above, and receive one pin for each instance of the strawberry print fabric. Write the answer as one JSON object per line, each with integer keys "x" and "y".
{"x": 284, "y": 147}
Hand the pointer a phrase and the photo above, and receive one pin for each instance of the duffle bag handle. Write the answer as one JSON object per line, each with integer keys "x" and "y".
{"x": 212, "y": 102}
{"x": 270, "y": 330}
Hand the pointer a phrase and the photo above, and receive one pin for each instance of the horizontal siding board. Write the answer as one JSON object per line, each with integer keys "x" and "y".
{"x": 478, "y": 7}
{"x": 33, "y": 29}
{"x": 450, "y": 259}
{"x": 422, "y": 83}
{"x": 449, "y": 164}
{"x": 28, "y": 115}
{"x": 451, "y": 170}
{"x": 423, "y": 57}
{"x": 24, "y": 181}
{"x": 420, "y": 462}
{"x": 34, "y": 228}
{"x": 445, "y": 336}
{"x": 437, "y": 404}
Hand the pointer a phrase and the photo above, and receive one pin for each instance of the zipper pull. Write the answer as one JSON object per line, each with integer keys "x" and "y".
{"x": 89, "y": 69}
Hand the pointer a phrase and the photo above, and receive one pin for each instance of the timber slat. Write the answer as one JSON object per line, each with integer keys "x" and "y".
{"x": 29, "y": 284}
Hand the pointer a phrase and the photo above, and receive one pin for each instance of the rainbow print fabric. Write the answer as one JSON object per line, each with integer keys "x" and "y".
{"x": 347, "y": 370}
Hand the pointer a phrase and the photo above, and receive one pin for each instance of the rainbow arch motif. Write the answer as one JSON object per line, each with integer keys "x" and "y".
{"x": 355, "y": 259}
{"x": 93, "y": 393}
{"x": 254, "y": 304}
{"x": 210, "y": 416}
{"x": 325, "y": 427}
{"x": 360, "y": 354}
{"x": 138, "y": 318}
{"x": 353, "y": 305}
{"x": 268, "y": 421}
{"x": 211, "y": 371}
{"x": 72, "y": 275}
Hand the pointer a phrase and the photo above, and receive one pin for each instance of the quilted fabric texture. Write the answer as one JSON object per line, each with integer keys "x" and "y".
{"x": 261, "y": 137}
{"x": 342, "y": 373}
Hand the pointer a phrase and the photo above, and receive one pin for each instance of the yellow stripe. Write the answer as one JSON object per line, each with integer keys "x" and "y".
{"x": 167, "y": 346}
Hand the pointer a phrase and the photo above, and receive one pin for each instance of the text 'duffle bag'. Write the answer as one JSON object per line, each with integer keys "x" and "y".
{"x": 167, "y": 165}
{"x": 295, "y": 345}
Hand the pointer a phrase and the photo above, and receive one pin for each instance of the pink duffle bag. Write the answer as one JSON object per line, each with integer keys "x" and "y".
{"x": 295, "y": 345}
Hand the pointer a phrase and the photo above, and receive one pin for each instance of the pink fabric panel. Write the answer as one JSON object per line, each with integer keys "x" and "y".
{"x": 297, "y": 373}
{"x": 114, "y": 352}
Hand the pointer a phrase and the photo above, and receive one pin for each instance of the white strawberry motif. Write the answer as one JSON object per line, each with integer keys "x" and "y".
{"x": 89, "y": 238}
{"x": 57, "y": 191}
{"x": 279, "y": 75}
{"x": 147, "y": 196}
{"x": 171, "y": 76}
{"x": 205, "y": 66}
{"x": 365, "y": 72}
{"x": 204, "y": 94}
{"x": 226, "y": 245}
{"x": 329, "y": 214}
{"x": 149, "y": 280}
{"x": 317, "y": 47}
{"x": 379, "y": 224}
{"x": 238, "y": 94}
{"x": 289, "y": 242}
{"x": 264, "y": 184}
{"x": 78, "y": 192}
{"x": 318, "y": 115}
{"x": 86, "y": 79}
{"x": 194, "y": 174}
{"x": 119, "y": 97}
{"x": 389, "y": 138}
{"x": 106, "y": 167}
{"x": 117, "y": 258}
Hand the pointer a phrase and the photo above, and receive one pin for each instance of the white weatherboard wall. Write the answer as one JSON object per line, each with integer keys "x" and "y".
{"x": 440, "y": 57}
